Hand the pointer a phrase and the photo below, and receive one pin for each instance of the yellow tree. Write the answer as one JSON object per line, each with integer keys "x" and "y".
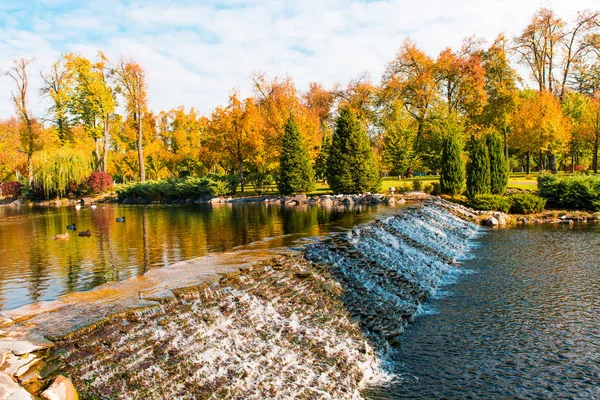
{"x": 236, "y": 132}
{"x": 590, "y": 125}
{"x": 58, "y": 87}
{"x": 131, "y": 81}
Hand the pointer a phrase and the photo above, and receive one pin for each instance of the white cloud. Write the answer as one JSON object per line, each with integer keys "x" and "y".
{"x": 195, "y": 54}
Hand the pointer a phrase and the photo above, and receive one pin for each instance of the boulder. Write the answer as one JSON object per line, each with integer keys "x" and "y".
{"x": 490, "y": 221}
{"x": 10, "y": 390}
{"x": 60, "y": 389}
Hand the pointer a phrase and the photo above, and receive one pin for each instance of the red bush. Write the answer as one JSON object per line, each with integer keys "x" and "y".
{"x": 11, "y": 189}
{"x": 100, "y": 182}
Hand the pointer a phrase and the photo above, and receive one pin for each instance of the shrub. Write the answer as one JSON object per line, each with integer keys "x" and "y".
{"x": 173, "y": 189}
{"x": 417, "y": 185}
{"x": 452, "y": 176}
{"x": 526, "y": 203}
{"x": 260, "y": 180}
{"x": 478, "y": 170}
{"x": 100, "y": 182}
{"x": 490, "y": 202}
{"x": 11, "y": 189}
{"x": 575, "y": 192}
{"x": 428, "y": 188}
{"x": 436, "y": 188}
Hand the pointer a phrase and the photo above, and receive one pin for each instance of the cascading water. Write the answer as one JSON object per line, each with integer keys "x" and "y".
{"x": 298, "y": 326}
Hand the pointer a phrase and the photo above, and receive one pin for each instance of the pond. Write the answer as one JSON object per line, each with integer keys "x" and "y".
{"x": 35, "y": 267}
{"x": 523, "y": 324}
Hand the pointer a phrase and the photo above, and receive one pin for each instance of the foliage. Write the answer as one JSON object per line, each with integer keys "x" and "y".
{"x": 295, "y": 170}
{"x": 452, "y": 175}
{"x": 417, "y": 185}
{"x": 56, "y": 170}
{"x": 100, "y": 182}
{"x": 498, "y": 164}
{"x": 428, "y": 188}
{"x": 11, "y": 189}
{"x": 478, "y": 169}
{"x": 576, "y": 192}
{"x": 490, "y": 202}
{"x": 260, "y": 180}
{"x": 172, "y": 189}
{"x": 526, "y": 203}
{"x": 351, "y": 166}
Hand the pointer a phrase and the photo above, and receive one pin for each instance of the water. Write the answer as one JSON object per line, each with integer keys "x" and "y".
{"x": 35, "y": 267}
{"x": 524, "y": 324}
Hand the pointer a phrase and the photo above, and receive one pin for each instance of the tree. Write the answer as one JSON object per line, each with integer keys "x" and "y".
{"x": 498, "y": 164}
{"x": 131, "y": 80}
{"x": 590, "y": 124}
{"x": 399, "y": 136}
{"x": 296, "y": 174}
{"x": 452, "y": 176}
{"x": 29, "y": 128}
{"x": 351, "y": 165}
{"x": 58, "y": 86}
{"x": 478, "y": 169}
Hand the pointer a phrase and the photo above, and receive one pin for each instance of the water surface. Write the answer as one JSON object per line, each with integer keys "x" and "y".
{"x": 524, "y": 325}
{"x": 35, "y": 267}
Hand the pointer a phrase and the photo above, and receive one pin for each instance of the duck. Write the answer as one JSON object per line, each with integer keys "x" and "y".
{"x": 72, "y": 227}
{"x": 121, "y": 219}
{"x": 93, "y": 206}
{"x": 78, "y": 207}
{"x": 87, "y": 233}
{"x": 61, "y": 236}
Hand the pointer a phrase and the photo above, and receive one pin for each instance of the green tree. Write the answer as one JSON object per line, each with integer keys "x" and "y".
{"x": 321, "y": 161}
{"x": 351, "y": 165}
{"x": 295, "y": 170}
{"x": 478, "y": 169}
{"x": 498, "y": 163}
{"x": 452, "y": 177}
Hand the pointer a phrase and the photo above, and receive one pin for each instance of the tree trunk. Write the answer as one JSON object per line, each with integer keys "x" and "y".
{"x": 29, "y": 170}
{"x": 572, "y": 161}
{"x": 141, "y": 149}
{"x": 528, "y": 163}
{"x": 241, "y": 164}
{"x": 505, "y": 143}
{"x": 596, "y": 150}
{"x": 552, "y": 162}
{"x": 97, "y": 153}
{"x": 105, "y": 150}
{"x": 540, "y": 167}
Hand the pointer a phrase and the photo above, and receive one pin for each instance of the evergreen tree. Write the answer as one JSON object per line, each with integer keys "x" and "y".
{"x": 452, "y": 176}
{"x": 498, "y": 164}
{"x": 321, "y": 161}
{"x": 295, "y": 170}
{"x": 351, "y": 165}
{"x": 478, "y": 169}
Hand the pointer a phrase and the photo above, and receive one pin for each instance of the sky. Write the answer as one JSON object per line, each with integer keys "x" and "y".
{"x": 196, "y": 52}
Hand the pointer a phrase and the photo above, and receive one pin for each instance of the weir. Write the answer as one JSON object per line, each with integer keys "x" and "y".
{"x": 310, "y": 324}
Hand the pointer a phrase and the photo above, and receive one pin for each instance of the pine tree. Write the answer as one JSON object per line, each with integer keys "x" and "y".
{"x": 478, "y": 169}
{"x": 295, "y": 170}
{"x": 351, "y": 165}
{"x": 498, "y": 164}
{"x": 452, "y": 176}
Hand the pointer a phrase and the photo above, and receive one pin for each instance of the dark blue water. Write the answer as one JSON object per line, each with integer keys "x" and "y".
{"x": 524, "y": 325}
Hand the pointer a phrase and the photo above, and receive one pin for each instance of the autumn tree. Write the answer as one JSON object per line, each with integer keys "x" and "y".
{"x": 131, "y": 80}
{"x": 351, "y": 165}
{"x": 29, "y": 128}
{"x": 58, "y": 87}
{"x": 296, "y": 174}
{"x": 590, "y": 125}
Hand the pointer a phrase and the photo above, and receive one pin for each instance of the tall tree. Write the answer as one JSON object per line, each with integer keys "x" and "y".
{"x": 296, "y": 174}
{"x": 351, "y": 165}
{"x": 452, "y": 176}
{"x": 498, "y": 164}
{"x": 478, "y": 169}
{"x": 58, "y": 86}
{"x": 29, "y": 128}
{"x": 131, "y": 80}
{"x": 590, "y": 124}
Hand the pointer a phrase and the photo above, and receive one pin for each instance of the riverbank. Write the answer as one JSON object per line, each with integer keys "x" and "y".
{"x": 326, "y": 319}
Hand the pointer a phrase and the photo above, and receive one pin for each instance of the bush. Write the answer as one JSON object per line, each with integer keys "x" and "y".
{"x": 575, "y": 192}
{"x": 11, "y": 189}
{"x": 173, "y": 189}
{"x": 436, "y": 188}
{"x": 490, "y": 202}
{"x": 452, "y": 176}
{"x": 428, "y": 188}
{"x": 526, "y": 203}
{"x": 478, "y": 170}
{"x": 100, "y": 182}
{"x": 260, "y": 180}
{"x": 417, "y": 185}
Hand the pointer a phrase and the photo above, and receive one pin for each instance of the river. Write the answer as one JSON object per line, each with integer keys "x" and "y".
{"x": 523, "y": 324}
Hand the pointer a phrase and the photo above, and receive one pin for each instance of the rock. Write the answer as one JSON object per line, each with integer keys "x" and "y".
{"x": 300, "y": 198}
{"x": 10, "y": 390}
{"x": 21, "y": 347}
{"x": 490, "y": 221}
{"x": 12, "y": 365}
{"x": 60, "y": 389}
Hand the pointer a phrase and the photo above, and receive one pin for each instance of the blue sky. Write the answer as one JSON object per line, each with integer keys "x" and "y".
{"x": 195, "y": 52}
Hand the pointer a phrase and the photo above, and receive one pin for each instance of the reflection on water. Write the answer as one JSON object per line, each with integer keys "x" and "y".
{"x": 34, "y": 267}
{"x": 525, "y": 325}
